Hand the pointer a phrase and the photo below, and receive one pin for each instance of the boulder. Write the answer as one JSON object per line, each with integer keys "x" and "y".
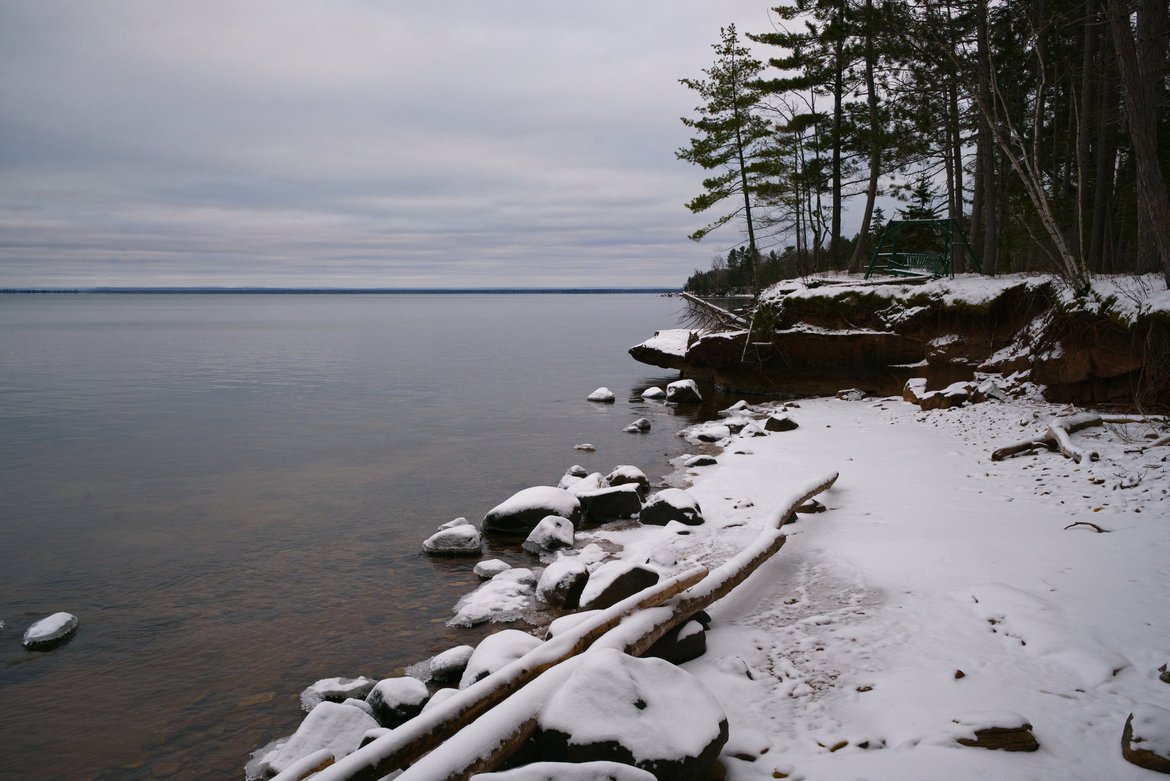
{"x": 506, "y": 597}
{"x": 851, "y": 394}
{"x": 914, "y": 389}
{"x": 639, "y": 426}
{"x": 568, "y": 771}
{"x": 396, "y": 700}
{"x": 602, "y": 395}
{"x": 495, "y": 652}
{"x": 666, "y": 349}
{"x": 335, "y": 690}
{"x": 552, "y": 533}
{"x": 1145, "y": 741}
{"x": 682, "y": 644}
{"x": 671, "y": 504}
{"x": 700, "y": 460}
{"x": 590, "y": 482}
{"x": 562, "y": 582}
{"x": 1000, "y": 731}
{"x": 489, "y": 568}
{"x": 779, "y": 423}
{"x": 620, "y": 708}
{"x": 683, "y": 391}
{"x": 614, "y": 581}
{"x": 455, "y": 522}
{"x": 626, "y": 474}
{"x": 519, "y": 514}
{"x": 330, "y": 726}
{"x": 607, "y": 504}
{"x": 576, "y": 470}
{"x": 1164, "y": 673}
{"x": 654, "y": 393}
{"x": 448, "y": 666}
{"x": 461, "y": 540}
{"x": 50, "y": 631}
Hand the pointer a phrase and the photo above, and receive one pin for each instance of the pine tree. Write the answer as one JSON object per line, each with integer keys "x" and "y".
{"x": 729, "y": 136}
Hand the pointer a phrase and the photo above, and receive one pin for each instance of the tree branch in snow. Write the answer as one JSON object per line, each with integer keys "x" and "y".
{"x": 1058, "y": 437}
{"x": 1087, "y": 523}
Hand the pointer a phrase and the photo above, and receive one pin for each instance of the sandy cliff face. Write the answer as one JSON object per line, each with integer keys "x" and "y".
{"x": 1112, "y": 347}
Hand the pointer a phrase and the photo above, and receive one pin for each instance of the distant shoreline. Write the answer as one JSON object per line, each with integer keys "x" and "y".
{"x": 336, "y": 290}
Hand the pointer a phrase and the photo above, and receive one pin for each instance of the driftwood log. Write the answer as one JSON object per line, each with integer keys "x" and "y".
{"x": 484, "y": 743}
{"x": 1059, "y": 437}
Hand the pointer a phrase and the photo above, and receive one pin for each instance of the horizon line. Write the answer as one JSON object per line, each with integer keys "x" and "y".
{"x": 234, "y": 289}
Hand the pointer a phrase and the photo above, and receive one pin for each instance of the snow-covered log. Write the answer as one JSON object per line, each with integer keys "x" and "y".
{"x": 421, "y": 734}
{"x": 1059, "y": 437}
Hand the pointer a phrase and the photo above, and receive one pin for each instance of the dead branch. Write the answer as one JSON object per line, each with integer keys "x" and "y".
{"x": 1087, "y": 523}
{"x": 725, "y": 318}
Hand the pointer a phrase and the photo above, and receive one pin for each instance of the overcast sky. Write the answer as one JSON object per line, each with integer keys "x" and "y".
{"x": 352, "y": 143}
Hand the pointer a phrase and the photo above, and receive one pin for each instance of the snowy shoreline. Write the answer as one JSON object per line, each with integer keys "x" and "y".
{"x": 939, "y": 594}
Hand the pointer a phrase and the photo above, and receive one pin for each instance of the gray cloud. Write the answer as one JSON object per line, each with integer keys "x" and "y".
{"x": 350, "y": 143}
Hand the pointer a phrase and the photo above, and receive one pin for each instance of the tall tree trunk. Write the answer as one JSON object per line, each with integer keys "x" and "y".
{"x": 1141, "y": 63}
{"x": 985, "y": 149}
{"x": 875, "y": 139}
{"x": 838, "y": 115}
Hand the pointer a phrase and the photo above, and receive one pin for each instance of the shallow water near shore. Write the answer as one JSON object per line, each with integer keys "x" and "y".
{"x": 231, "y": 493}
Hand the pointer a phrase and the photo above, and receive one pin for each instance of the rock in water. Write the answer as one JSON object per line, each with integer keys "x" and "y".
{"x": 602, "y": 395}
{"x": 682, "y": 391}
{"x": 489, "y": 568}
{"x": 552, "y": 533}
{"x": 335, "y": 690}
{"x": 50, "y": 631}
{"x": 624, "y": 709}
{"x": 1145, "y": 741}
{"x": 654, "y": 393}
{"x": 568, "y": 771}
{"x": 396, "y": 700}
{"x": 330, "y": 726}
{"x": 671, "y": 504}
{"x": 448, "y": 666}
{"x": 520, "y": 513}
{"x": 627, "y": 474}
{"x": 461, "y": 540}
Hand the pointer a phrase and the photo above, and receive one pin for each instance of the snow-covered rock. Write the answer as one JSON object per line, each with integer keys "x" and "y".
{"x": 779, "y": 423}
{"x": 700, "y": 460}
{"x": 461, "y": 540}
{"x": 607, "y": 504}
{"x": 335, "y": 690}
{"x": 995, "y": 730}
{"x": 506, "y": 597}
{"x": 621, "y": 708}
{"x": 520, "y": 513}
{"x": 654, "y": 393}
{"x": 627, "y": 474}
{"x": 439, "y": 697}
{"x": 395, "y": 700}
{"x": 461, "y": 521}
{"x": 330, "y": 726}
{"x": 552, "y": 533}
{"x": 1145, "y": 741}
{"x": 671, "y": 504}
{"x": 682, "y": 391}
{"x": 590, "y": 482}
{"x": 448, "y": 666}
{"x": 585, "y": 447}
{"x": 495, "y": 652}
{"x": 640, "y": 426}
{"x": 562, "y": 582}
{"x": 569, "y": 771}
{"x": 50, "y": 631}
{"x": 603, "y": 395}
{"x": 489, "y": 568}
{"x": 614, "y": 581}
{"x": 685, "y": 642}
{"x": 851, "y": 394}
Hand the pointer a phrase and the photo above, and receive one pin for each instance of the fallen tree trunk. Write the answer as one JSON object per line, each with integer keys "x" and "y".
{"x": 725, "y": 318}
{"x": 485, "y": 743}
{"x": 1058, "y": 437}
{"x": 424, "y": 732}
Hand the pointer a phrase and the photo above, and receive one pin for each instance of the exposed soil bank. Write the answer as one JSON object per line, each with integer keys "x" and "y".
{"x": 1111, "y": 347}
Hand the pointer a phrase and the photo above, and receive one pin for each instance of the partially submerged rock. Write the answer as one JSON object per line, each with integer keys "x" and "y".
{"x": 506, "y": 597}
{"x": 50, "y": 631}
{"x": 671, "y": 504}
{"x": 654, "y": 393}
{"x": 396, "y": 700}
{"x": 460, "y": 540}
{"x": 602, "y": 395}
{"x": 641, "y": 712}
{"x": 523, "y": 510}
{"x": 683, "y": 392}
{"x": 330, "y": 726}
{"x": 639, "y": 426}
{"x": 552, "y": 533}
{"x": 489, "y": 568}
{"x": 1145, "y": 741}
{"x": 627, "y": 474}
{"x": 335, "y": 690}
{"x": 448, "y": 666}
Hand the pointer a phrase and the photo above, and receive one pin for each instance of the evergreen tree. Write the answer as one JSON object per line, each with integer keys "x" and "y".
{"x": 729, "y": 136}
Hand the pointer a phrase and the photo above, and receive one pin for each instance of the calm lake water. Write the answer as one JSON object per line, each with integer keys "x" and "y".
{"x": 230, "y": 491}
